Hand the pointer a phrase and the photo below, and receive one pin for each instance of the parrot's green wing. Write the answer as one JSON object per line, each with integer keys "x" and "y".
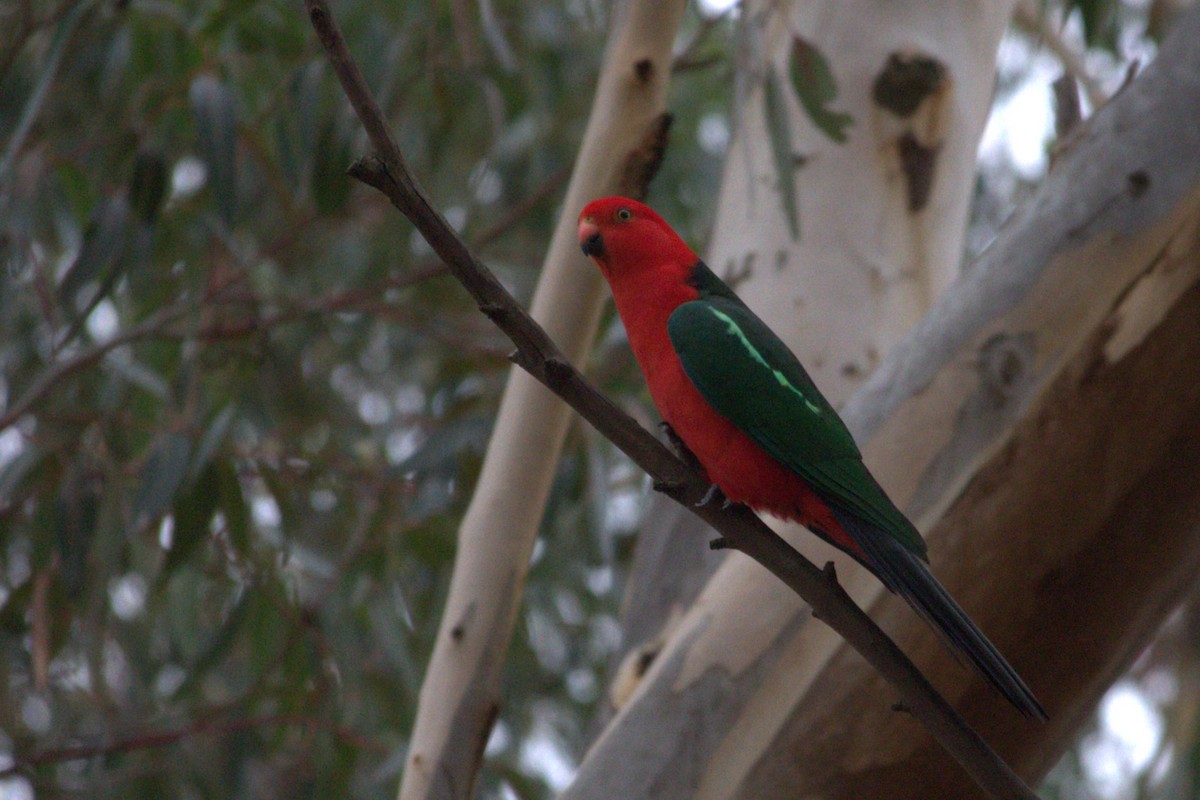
{"x": 753, "y": 380}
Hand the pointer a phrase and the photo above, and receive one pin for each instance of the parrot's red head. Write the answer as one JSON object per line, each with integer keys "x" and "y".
{"x": 625, "y": 237}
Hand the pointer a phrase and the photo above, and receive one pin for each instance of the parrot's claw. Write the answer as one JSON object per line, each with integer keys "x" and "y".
{"x": 712, "y": 492}
{"x": 720, "y": 543}
{"x": 681, "y": 450}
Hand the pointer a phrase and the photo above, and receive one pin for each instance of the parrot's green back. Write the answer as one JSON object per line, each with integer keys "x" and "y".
{"x": 752, "y": 379}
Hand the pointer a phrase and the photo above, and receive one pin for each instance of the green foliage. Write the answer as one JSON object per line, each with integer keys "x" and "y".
{"x": 241, "y": 409}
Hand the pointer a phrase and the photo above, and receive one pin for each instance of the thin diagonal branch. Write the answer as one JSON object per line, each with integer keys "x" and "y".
{"x": 206, "y": 725}
{"x": 59, "y": 370}
{"x": 537, "y": 354}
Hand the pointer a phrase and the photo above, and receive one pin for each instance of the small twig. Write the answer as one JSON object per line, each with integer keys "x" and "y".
{"x": 1068, "y": 116}
{"x": 522, "y": 207}
{"x": 1035, "y": 22}
{"x": 388, "y": 172}
{"x": 1067, "y": 113}
{"x": 688, "y": 57}
{"x": 61, "y": 369}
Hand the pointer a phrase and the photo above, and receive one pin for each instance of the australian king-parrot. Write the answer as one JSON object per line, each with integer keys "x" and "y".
{"x": 741, "y": 402}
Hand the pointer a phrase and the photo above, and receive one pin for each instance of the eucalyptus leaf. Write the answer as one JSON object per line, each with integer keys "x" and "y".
{"x": 219, "y": 644}
{"x": 214, "y": 108}
{"x": 193, "y": 512}
{"x": 1099, "y": 21}
{"x": 780, "y": 134}
{"x": 14, "y": 619}
{"x": 441, "y": 451}
{"x": 330, "y": 183}
{"x": 161, "y": 477}
{"x": 813, "y": 82}
{"x": 148, "y": 185}
{"x": 131, "y": 371}
{"x": 233, "y": 505}
{"x": 77, "y": 512}
{"x": 213, "y": 437}
{"x": 13, "y": 473}
{"x": 100, "y": 260}
{"x": 63, "y": 33}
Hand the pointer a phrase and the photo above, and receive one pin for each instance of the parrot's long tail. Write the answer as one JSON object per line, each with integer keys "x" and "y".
{"x": 903, "y": 571}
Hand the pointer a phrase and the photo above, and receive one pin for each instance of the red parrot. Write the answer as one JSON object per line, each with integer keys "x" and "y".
{"x": 741, "y": 402}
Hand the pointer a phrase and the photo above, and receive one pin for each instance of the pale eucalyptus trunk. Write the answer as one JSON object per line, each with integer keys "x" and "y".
{"x": 460, "y": 695}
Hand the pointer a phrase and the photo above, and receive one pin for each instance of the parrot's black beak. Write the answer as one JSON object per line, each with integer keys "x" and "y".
{"x": 593, "y": 245}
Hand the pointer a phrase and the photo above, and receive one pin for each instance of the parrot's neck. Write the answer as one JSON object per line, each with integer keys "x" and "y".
{"x": 645, "y": 299}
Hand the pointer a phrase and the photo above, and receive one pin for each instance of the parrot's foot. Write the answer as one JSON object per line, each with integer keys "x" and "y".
{"x": 713, "y": 493}
{"x": 720, "y": 543}
{"x": 682, "y": 452}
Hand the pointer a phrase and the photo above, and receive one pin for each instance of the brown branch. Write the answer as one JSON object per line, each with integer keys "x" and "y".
{"x": 536, "y": 353}
{"x": 160, "y": 326}
{"x": 689, "y": 57}
{"x": 522, "y": 207}
{"x": 146, "y": 741}
{"x": 45, "y": 381}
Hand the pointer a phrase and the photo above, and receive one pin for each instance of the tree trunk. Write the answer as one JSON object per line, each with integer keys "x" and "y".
{"x": 460, "y": 694}
{"x": 1040, "y": 425}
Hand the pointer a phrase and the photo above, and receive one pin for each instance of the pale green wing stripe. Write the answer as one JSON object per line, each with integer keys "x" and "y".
{"x": 735, "y": 331}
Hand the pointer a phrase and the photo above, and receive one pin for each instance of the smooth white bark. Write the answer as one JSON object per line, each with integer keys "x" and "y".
{"x": 460, "y": 694}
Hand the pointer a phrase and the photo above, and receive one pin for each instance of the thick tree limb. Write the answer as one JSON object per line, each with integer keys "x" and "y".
{"x": 1031, "y": 424}
{"x": 538, "y": 354}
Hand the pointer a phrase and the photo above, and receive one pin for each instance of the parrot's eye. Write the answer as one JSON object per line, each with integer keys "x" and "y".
{"x": 624, "y": 214}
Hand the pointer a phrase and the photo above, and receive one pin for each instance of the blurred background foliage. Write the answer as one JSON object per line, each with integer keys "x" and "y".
{"x": 242, "y": 407}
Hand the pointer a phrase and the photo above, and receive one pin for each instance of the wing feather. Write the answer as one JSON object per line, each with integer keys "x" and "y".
{"x": 751, "y": 378}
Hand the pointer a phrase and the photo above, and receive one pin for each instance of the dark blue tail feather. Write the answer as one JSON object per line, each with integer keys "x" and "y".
{"x": 905, "y": 573}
